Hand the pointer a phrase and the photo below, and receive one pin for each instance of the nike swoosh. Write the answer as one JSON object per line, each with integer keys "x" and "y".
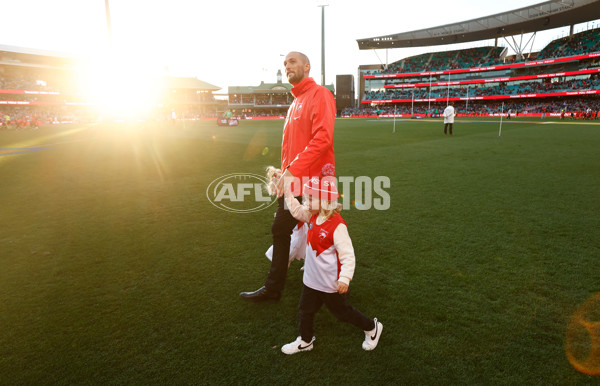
{"x": 305, "y": 347}
{"x": 296, "y": 118}
{"x": 375, "y": 336}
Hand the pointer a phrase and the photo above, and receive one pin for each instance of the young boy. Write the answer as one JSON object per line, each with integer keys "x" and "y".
{"x": 329, "y": 265}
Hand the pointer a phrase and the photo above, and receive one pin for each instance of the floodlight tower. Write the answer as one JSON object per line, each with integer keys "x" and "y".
{"x": 322, "y": 43}
{"x": 108, "y": 23}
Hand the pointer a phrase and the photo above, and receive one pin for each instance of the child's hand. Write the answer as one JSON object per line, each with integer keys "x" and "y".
{"x": 284, "y": 183}
{"x": 342, "y": 287}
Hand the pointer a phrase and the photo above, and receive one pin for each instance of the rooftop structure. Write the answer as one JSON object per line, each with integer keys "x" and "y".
{"x": 538, "y": 17}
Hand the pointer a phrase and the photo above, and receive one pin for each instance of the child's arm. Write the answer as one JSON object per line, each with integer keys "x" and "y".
{"x": 299, "y": 211}
{"x": 343, "y": 245}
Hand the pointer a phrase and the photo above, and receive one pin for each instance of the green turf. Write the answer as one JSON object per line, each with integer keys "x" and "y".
{"x": 115, "y": 267}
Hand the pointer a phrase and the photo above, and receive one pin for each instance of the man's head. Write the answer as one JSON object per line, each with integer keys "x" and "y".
{"x": 297, "y": 67}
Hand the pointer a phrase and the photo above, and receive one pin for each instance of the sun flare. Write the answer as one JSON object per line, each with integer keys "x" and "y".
{"x": 120, "y": 88}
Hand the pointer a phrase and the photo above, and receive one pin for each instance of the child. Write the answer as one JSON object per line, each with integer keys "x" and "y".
{"x": 328, "y": 267}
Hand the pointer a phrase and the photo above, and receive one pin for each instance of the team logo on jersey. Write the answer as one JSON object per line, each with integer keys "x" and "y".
{"x": 298, "y": 111}
{"x": 328, "y": 170}
{"x": 323, "y": 234}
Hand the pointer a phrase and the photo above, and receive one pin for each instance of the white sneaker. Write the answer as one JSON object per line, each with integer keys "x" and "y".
{"x": 372, "y": 337}
{"x": 297, "y": 346}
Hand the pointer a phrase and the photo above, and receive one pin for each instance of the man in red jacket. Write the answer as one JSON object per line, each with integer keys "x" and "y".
{"x": 306, "y": 151}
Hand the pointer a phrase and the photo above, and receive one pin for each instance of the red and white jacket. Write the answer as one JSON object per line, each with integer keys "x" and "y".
{"x": 307, "y": 144}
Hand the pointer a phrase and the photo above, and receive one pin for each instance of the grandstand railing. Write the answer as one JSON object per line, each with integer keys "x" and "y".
{"x": 43, "y": 103}
{"x": 258, "y": 105}
{"x": 487, "y": 97}
{"x": 496, "y": 80}
{"x": 29, "y": 92}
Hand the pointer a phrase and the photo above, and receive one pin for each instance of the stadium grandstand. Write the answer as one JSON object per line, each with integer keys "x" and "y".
{"x": 264, "y": 100}
{"x": 38, "y": 87}
{"x": 42, "y": 87}
{"x": 189, "y": 98}
{"x": 562, "y": 79}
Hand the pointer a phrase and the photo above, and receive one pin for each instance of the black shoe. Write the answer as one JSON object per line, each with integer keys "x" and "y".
{"x": 260, "y": 295}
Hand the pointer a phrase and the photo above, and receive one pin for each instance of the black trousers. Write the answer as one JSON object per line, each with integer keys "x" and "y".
{"x": 446, "y": 128}
{"x": 282, "y": 228}
{"x": 312, "y": 300}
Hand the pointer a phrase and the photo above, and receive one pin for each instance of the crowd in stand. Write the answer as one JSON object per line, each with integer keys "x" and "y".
{"x": 579, "y": 107}
{"x": 20, "y": 108}
{"x": 261, "y": 99}
{"x": 534, "y": 87}
{"x": 29, "y": 81}
{"x": 447, "y": 60}
{"x": 17, "y": 83}
{"x": 578, "y": 44}
{"x": 584, "y": 42}
{"x": 29, "y": 117}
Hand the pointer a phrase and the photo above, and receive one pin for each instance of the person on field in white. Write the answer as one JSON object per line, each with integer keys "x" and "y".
{"x": 448, "y": 118}
{"x": 329, "y": 265}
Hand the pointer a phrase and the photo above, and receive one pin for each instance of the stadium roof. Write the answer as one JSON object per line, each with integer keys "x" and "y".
{"x": 34, "y": 51}
{"x": 32, "y": 57}
{"x": 538, "y": 17}
{"x": 189, "y": 83}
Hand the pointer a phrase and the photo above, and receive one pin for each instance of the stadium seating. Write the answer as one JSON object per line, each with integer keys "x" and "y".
{"x": 537, "y": 87}
{"x": 583, "y": 42}
{"x": 479, "y": 108}
{"x": 447, "y": 60}
{"x": 568, "y": 76}
{"x": 587, "y": 41}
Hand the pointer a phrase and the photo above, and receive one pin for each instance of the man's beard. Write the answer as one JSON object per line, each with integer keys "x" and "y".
{"x": 294, "y": 77}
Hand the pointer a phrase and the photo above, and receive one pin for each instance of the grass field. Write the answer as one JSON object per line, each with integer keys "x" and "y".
{"x": 115, "y": 267}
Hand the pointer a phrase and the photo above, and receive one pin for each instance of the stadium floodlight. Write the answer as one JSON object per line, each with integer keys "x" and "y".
{"x": 108, "y": 23}
{"x": 323, "y": 42}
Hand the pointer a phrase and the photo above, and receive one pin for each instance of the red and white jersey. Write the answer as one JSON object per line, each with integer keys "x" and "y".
{"x": 322, "y": 264}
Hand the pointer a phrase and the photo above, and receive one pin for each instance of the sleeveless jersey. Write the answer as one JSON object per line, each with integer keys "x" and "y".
{"x": 322, "y": 265}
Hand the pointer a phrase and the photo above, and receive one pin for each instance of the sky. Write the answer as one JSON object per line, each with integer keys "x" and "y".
{"x": 238, "y": 43}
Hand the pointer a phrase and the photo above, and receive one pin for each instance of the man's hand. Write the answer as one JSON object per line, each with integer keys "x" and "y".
{"x": 284, "y": 182}
{"x": 342, "y": 287}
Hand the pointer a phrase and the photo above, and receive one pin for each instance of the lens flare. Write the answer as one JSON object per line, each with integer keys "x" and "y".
{"x": 357, "y": 204}
{"x": 583, "y": 337}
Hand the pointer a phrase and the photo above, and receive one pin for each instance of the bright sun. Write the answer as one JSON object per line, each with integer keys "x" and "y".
{"x": 123, "y": 88}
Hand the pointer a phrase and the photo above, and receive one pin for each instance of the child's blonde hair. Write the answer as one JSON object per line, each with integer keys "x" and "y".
{"x": 329, "y": 208}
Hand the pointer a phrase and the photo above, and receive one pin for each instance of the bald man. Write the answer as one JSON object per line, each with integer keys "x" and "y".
{"x": 306, "y": 151}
